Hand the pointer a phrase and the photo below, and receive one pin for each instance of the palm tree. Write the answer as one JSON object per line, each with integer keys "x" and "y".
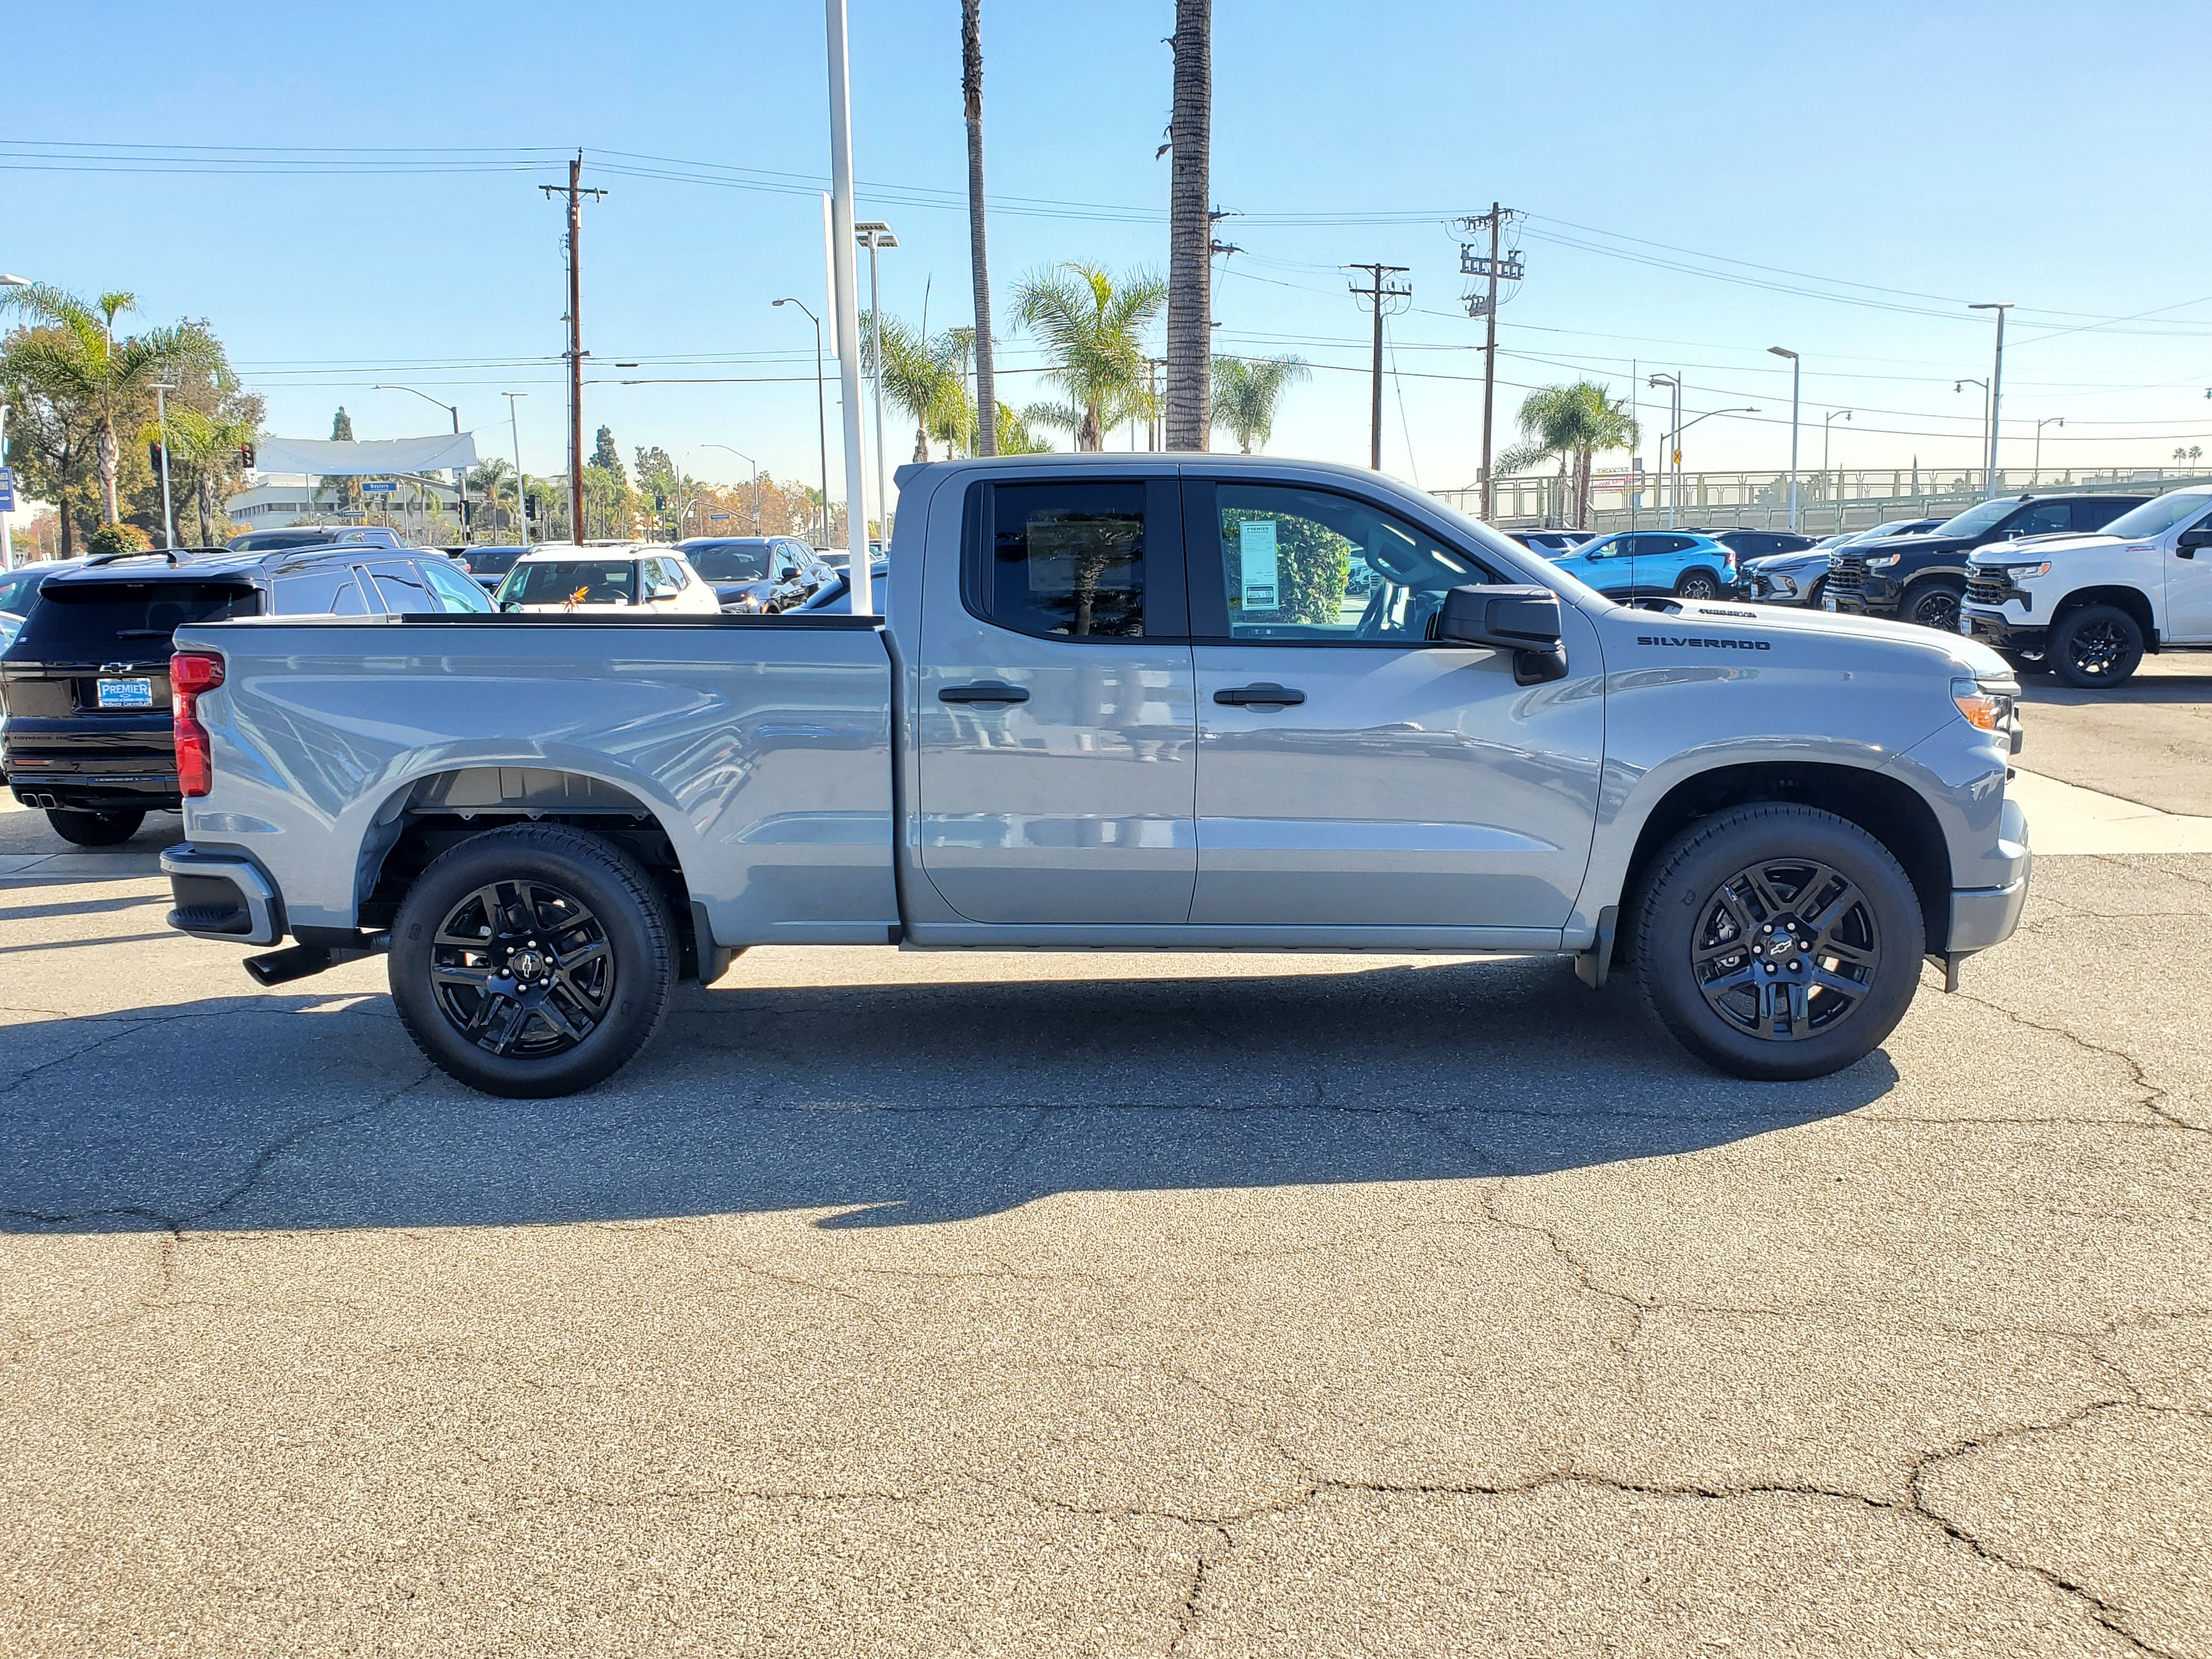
{"x": 1093, "y": 329}
{"x": 1245, "y": 394}
{"x": 1190, "y": 228}
{"x": 77, "y": 357}
{"x": 1572, "y": 422}
{"x": 971, "y": 86}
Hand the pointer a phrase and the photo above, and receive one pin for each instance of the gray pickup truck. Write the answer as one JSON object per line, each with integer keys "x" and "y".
{"x": 1122, "y": 702}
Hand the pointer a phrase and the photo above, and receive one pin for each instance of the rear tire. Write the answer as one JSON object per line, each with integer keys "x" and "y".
{"x": 532, "y": 962}
{"x": 1828, "y": 936}
{"x": 2096, "y": 648}
{"x": 82, "y": 828}
{"x": 1697, "y": 585}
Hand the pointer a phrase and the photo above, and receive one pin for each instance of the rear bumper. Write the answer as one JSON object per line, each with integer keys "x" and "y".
{"x": 222, "y": 896}
{"x": 83, "y": 794}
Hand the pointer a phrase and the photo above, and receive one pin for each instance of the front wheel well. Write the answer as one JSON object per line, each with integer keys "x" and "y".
{"x": 1885, "y": 807}
{"x": 2133, "y": 600}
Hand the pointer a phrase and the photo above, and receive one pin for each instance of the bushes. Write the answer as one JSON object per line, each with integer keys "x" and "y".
{"x": 118, "y": 539}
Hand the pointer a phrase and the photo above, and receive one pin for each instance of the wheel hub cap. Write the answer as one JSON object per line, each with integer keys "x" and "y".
{"x": 1785, "y": 949}
{"x": 523, "y": 969}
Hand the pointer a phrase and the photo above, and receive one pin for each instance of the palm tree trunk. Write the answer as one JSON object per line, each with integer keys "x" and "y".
{"x": 1190, "y": 230}
{"x": 971, "y": 82}
{"x": 111, "y": 456}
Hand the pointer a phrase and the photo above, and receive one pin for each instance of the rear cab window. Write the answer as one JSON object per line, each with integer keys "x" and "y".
{"x": 1076, "y": 559}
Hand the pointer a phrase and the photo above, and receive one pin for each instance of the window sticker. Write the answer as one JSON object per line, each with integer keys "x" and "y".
{"x": 1256, "y": 548}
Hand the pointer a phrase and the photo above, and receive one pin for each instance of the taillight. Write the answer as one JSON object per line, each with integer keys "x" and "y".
{"x": 191, "y": 672}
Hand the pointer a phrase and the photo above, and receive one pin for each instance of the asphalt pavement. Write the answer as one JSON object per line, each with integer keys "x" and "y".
{"x": 901, "y": 1304}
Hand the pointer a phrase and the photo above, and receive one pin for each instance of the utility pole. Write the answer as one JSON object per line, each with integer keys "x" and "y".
{"x": 1490, "y": 267}
{"x": 1996, "y": 385}
{"x": 979, "y": 272}
{"x": 1375, "y": 293}
{"x": 162, "y": 388}
{"x": 575, "y": 193}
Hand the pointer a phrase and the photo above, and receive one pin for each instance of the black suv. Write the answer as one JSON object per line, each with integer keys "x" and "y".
{"x": 85, "y": 687}
{"x": 1921, "y": 578}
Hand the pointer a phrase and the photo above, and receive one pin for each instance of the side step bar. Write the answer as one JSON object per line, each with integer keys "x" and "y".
{"x": 304, "y": 961}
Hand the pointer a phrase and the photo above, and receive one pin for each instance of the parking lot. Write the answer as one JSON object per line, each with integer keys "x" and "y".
{"x": 1093, "y": 1304}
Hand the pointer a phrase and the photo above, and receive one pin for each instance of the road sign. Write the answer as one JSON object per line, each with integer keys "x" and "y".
{"x": 717, "y": 518}
{"x": 379, "y": 487}
{"x": 7, "y": 490}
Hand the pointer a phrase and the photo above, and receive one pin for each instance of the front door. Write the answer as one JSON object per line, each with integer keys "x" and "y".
{"x": 1351, "y": 773}
{"x": 2188, "y": 583}
{"x": 1057, "y": 737}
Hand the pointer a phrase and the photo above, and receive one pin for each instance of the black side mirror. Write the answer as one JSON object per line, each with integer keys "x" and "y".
{"x": 1524, "y": 620}
{"x": 2194, "y": 538}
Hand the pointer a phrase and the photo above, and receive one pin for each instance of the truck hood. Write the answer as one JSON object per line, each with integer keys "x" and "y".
{"x": 2030, "y": 549}
{"x": 1942, "y": 652}
{"x": 1922, "y": 543}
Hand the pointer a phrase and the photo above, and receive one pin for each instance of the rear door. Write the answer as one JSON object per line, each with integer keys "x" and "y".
{"x": 1351, "y": 772}
{"x": 1056, "y": 732}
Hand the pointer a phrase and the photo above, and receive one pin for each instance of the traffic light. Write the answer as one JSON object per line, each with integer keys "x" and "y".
{"x": 154, "y": 458}
{"x": 246, "y": 456}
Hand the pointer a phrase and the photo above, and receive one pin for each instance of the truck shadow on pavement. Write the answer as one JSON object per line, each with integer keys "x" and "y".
{"x": 879, "y": 1105}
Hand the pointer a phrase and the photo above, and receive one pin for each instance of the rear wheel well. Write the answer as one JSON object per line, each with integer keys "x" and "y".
{"x": 436, "y": 813}
{"x": 2132, "y": 600}
{"x": 1883, "y": 806}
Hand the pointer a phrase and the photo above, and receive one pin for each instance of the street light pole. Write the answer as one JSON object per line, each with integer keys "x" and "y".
{"x": 2048, "y": 420}
{"x": 1794, "y": 367}
{"x": 161, "y": 389}
{"x": 1996, "y": 385}
{"x": 875, "y": 235}
{"x": 521, "y": 495}
{"x": 843, "y": 283}
{"x": 821, "y": 414}
{"x": 1833, "y": 484}
{"x": 460, "y": 473}
{"x": 753, "y": 464}
{"x": 1670, "y": 470}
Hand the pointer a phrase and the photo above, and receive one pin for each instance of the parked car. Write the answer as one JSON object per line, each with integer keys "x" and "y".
{"x": 628, "y": 579}
{"x": 488, "y": 566}
{"x": 85, "y": 685}
{"x": 757, "y": 574}
{"x": 1649, "y": 563}
{"x": 836, "y": 596}
{"x": 1552, "y": 541}
{"x": 1921, "y": 578}
{"x": 1800, "y": 578}
{"x": 19, "y": 596}
{"x": 1761, "y": 543}
{"x": 2087, "y": 607}
{"x": 1114, "y": 704}
{"x": 278, "y": 541}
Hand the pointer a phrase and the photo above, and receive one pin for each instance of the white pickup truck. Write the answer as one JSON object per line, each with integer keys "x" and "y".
{"x": 1121, "y": 703}
{"x": 2087, "y": 608}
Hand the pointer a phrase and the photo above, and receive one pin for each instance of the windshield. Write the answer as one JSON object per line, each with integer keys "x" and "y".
{"x": 2152, "y": 518}
{"x": 737, "y": 563}
{"x": 571, "y": 582}
{"x": 129, "y": 621}
{"x": 492, "y": 560}
{"x": 1977, "y": 518}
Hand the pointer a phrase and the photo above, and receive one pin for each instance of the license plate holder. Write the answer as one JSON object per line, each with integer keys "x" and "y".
{"x": 126, "y": 694}
{"x": 1829, "y": 603}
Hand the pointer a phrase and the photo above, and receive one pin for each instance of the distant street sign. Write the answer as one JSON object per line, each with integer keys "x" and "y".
{"x": 716, "y": 518}
{"x": 379, "y": 487}
{"x": 7, "y": 490}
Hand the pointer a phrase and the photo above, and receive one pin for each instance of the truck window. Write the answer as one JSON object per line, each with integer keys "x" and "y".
{"x": 1067, "y": 560}
{"x": 1311, "y": 565}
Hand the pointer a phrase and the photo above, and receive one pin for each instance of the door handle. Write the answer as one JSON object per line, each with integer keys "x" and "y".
{"x": 1266, "y": 693}
{"x": 983, "y": 691}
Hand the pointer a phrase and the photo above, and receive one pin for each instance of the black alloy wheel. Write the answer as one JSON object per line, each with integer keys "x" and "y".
{"x": 1697, "y": 585}
{"x": 1776, "y": 941}
{"x": 2096, "y": 648}
{"x": 1935, "y": 605}
{"x": 532, "y": 961}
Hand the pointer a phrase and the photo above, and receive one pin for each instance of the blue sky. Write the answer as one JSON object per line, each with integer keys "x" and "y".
{"x": 1867, "y": 171}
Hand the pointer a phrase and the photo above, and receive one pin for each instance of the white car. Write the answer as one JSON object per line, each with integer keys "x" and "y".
{"x": 626, "y": 579}
{"x": 2087, "y": 607}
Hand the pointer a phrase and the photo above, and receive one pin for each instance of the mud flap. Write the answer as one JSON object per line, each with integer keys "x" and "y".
{"x": 1593, "y": 966}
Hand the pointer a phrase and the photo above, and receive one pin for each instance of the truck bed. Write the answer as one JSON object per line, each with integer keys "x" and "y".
{"x": 760, "y": 746}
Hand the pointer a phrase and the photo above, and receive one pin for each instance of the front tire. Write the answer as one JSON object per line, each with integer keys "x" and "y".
{"x": 1934, "y": 604}
{"x": 1778, "y": 942}
{"x": 2096, "y": 648}
{"x": 533, "y": 960}
{"x": 82, "y": 828}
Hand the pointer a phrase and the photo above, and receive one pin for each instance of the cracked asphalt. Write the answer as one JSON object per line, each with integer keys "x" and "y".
{"x": 1108, "y": 1305}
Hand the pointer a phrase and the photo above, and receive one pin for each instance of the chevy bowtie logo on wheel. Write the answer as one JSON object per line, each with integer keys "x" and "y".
{"x": 1710, "y": 645}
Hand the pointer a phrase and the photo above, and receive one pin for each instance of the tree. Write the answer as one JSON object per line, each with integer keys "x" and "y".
{"x": 204, "y": 459}
{"x": 1093, "y": 330}
{"x": 979, "y": 264}
{"x": 1572, "y": 422}
{"x": 1245, "y": 395}
{"x": 342, "y": 427}
{"x": 78, "y": 358}
{"x": 1190, "y": 228}
{"x": 924, "y": 378}
{"x": 608, "y": 457}
{"x": 50, "y": 432}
